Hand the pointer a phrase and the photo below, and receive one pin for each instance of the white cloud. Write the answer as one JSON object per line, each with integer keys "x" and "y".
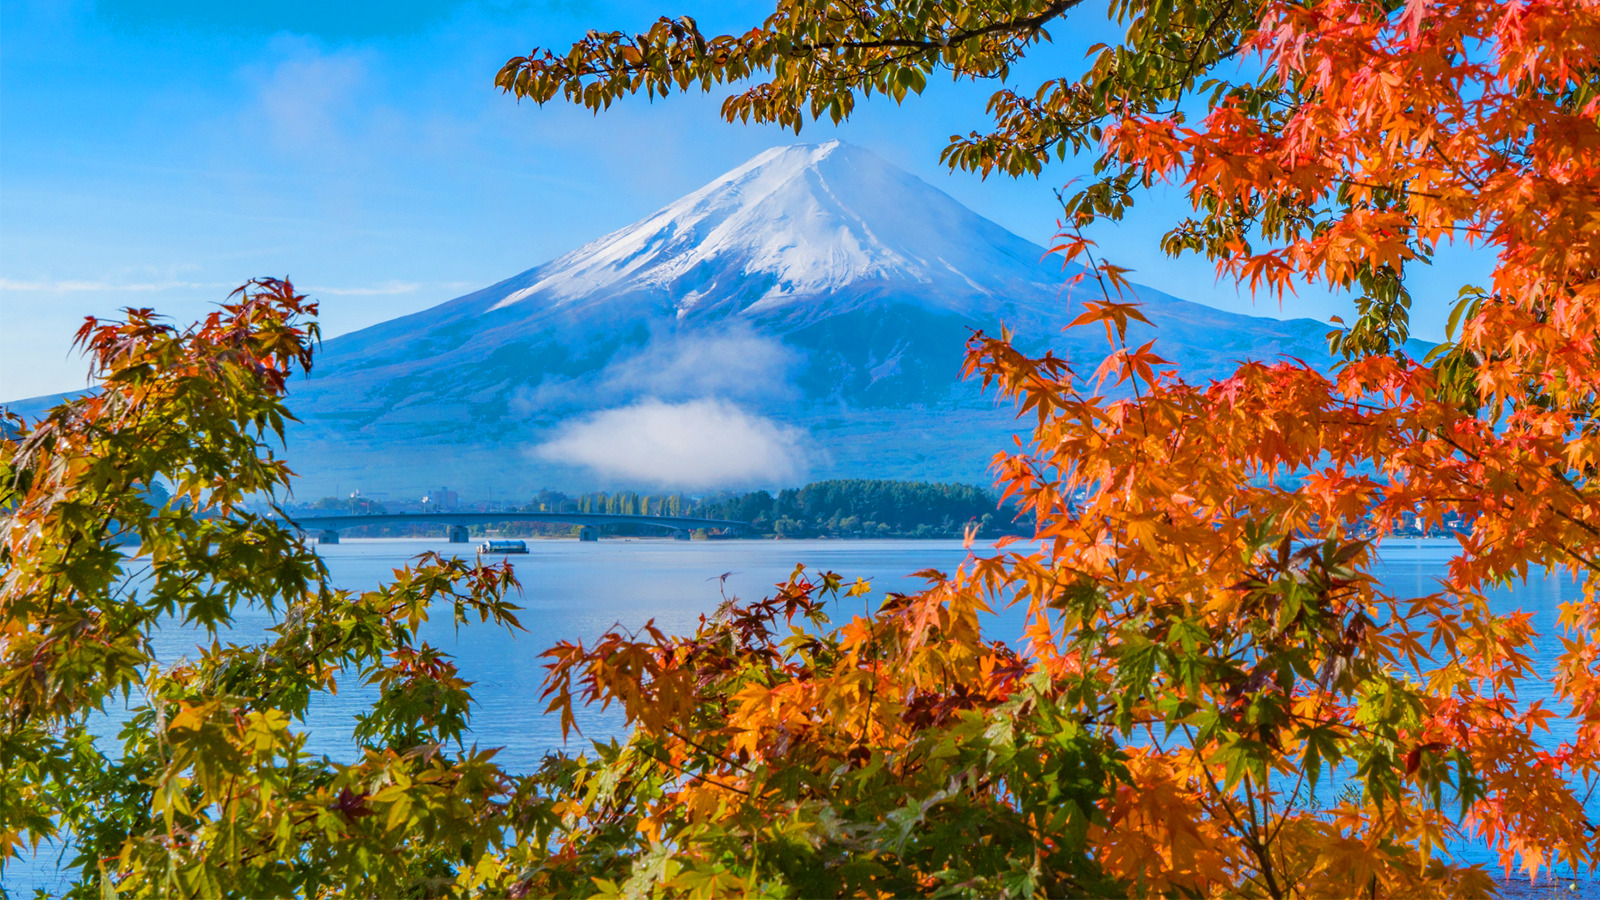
{"x": 307, "y": 101}
{"x": 378, "y": 290}
{"x": 735, "y": 363}
{"x": 551, "y": 396}
{"x": 703, "y": 443}
{"x": 77, "y": 286}
{"x": 70, "y": 286}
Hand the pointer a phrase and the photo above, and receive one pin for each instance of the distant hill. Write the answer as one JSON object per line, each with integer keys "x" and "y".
{"x": 803, "y": 316}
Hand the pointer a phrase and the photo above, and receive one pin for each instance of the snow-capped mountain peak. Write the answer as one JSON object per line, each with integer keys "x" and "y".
{"x": 792, "y": 224}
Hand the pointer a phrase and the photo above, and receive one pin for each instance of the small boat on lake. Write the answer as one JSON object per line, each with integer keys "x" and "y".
{"x": 503, "y": 547}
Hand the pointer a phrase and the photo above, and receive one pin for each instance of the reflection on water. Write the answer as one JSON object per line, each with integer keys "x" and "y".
{"x": 574, "y": 591}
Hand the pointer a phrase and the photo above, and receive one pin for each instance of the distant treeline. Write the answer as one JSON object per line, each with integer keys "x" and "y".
{"x": 855, "y": 507}
{"x": 859, "y": 507}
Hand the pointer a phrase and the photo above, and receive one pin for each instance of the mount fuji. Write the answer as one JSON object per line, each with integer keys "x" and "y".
{"x": 804, "y": 315}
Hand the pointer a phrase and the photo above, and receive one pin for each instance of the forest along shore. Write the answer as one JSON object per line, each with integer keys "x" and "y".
{"x": 842, "y": 508}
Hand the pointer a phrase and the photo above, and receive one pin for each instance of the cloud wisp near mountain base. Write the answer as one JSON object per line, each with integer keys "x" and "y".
{"x": 697, "y": 444}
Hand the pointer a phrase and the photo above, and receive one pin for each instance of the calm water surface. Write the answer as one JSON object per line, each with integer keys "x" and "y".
{"x": 574, "y": 591}
{"x": 577, "y": 591}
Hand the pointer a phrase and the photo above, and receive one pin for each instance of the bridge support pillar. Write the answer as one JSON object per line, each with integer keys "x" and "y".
{"x": 588, "y": 533}
{"x": 328, "y": 537}
{"x": 458, "y": 534}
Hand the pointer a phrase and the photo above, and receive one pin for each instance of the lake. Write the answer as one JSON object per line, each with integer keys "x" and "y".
{"x": 574, "y": 590}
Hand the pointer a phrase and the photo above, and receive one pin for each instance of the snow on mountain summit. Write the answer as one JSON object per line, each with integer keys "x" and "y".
{"x": 793, "y": 223}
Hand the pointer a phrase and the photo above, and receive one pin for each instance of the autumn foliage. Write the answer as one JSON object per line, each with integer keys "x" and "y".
{"x": 1214, "y": 695}
{"x": 207, "y": 790}
{"x": 1219, "y": 634}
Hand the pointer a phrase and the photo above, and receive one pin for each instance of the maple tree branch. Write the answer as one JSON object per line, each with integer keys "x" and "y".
{"x": 1027, "y": 24}
{"x": 703, "y": 749}
{"x": 1122, "y": 344}
{"x": 1592, "y": 564}
{"x": 696, "y": 775}
{"x": 1245, "y": 834}
{"x": 1351, "y": 182}
{"x": 872, "y": 686}
{"x": 614, "y": 64}
{"x": 1476, "y": 183}
{"x": 1253, "y": 840}
{"x": 1189, "y": 70}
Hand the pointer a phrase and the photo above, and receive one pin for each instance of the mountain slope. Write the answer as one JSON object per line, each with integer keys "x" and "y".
{"x": 803, "y": 315}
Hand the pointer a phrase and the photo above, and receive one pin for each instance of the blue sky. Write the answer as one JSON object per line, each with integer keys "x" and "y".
{"x": 159, "y": 153}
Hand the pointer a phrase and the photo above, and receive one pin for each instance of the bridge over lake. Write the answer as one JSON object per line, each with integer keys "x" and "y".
{"x": 327, "y": 528}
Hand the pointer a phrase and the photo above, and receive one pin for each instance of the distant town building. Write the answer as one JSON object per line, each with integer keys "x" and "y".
{"x": 440, "y": 499}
